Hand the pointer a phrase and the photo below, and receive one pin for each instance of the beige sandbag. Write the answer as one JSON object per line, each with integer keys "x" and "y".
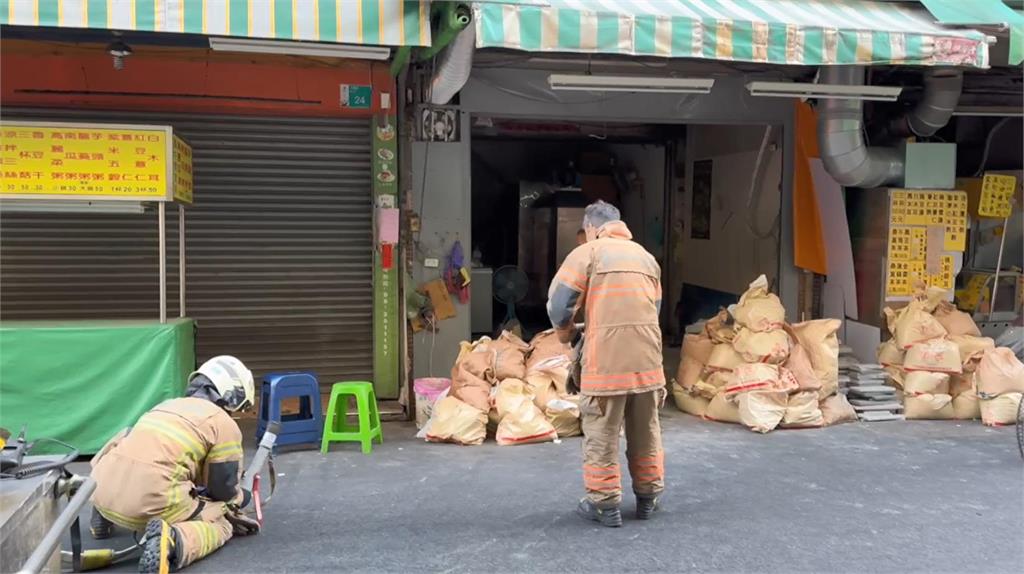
{"x": 939, "y": 355}
{"x": 925, "y": 382}
{"x": 930, "y": 297}
{"x": 762, "y": 411}
{"x": 896, "y": 376}
{"x": 966, "y": 406}
{"x": 955, "y": 321}
{"x": 509, "y": 396}
{"x": 689, "y": 372}
{"x": 722, "y": 409}
{"x": 971, "y": 350}
{"x": 564, "y": 415}
{"x": 542, "y": 385}
{"x": 762, "y": 346}
{"x": 711, "y": 383}
{"x": 799, "y": 363}
{"x": 521, "y": 421}
{"x": 759, "y": 310}
{"x": 544, "y": 346}
{"x": 959, "y": 384}
{"x": 466, "y": 347}
{"x": 718, "y": 328}
{"x": 819, "y": 339}
{"x": 999, "y": 372}
{"x": 695, "y": 355}
{"x": 509, "y": 356}
{"x": 928, "y": 407}
{"x": 689, "y": 403}
{"x": 724, "y": 357}
{"x": 471, "y": 378}
{"x": 913, "y": 324}
{"x": 802, "y": 411}
{"x": 837, "y": 409}
{"x": 889, "y": 354}
{"x": 697, "y": 347}
{"x": 458, "y": 422}
{"x": 757, "y": 377}
{"x": 1001, "y": 410}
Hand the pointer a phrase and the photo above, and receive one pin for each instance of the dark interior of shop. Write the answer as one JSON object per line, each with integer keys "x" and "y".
{"x": 530, "y": 183}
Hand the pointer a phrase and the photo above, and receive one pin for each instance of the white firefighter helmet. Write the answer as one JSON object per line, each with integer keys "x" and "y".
{"x": 232, "y": 380}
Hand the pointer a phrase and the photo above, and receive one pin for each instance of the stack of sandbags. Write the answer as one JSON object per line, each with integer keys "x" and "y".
{"x": 518, "y": 390}
{"x": 547, "y": 374}
{"x": 932, "y": 355}
{"x": 748, "y": 366}
{"x": 818, "y": 340}
{"x": 999, "y": 382}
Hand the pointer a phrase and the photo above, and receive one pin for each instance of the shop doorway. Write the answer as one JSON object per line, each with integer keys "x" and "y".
{"x": 703, "y": 199}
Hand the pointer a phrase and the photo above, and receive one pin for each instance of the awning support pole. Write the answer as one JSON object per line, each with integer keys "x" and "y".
{"x": 999, "y": 265}
{"x": 181, "y": 260}
{"x": 162, "y": 231}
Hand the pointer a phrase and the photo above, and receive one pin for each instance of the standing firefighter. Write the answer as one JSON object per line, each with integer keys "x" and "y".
{"x": 617, "y": 283}
{"x": 175, "y": 474}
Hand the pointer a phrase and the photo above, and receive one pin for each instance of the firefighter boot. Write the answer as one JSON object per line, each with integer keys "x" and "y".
{"x": 159, "y": 548}
{"x": 99, "y": 526}
{"x": 603, "y": 516}
{"x": 646, "y": 507}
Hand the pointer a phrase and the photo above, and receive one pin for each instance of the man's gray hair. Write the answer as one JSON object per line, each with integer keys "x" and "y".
{"x": 599, "y": 213}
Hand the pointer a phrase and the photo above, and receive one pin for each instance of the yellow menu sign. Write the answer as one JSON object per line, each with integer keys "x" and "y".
{"x": 182, "y": 171}
{"x": 911, "y": 214}
{"x": 997, "y": 195}
{"x": 946, "y": 208}
{"x": 77, "y": 161}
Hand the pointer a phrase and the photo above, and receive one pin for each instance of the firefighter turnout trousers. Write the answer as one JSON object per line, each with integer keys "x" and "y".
{"x": 602, "y": 418}
{"x": 206, "y": 532}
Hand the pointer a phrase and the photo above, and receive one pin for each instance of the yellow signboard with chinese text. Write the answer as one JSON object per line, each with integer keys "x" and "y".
{"x": 90, "y": 161}
{"x": 912, "y": 213}
{"x": 182, "y": 171}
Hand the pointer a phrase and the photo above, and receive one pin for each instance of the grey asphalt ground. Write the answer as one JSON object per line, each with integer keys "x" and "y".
{"x": 916, "y": 496}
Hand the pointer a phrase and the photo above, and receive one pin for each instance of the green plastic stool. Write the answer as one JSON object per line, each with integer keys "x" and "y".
{"x": 336, "y": 425}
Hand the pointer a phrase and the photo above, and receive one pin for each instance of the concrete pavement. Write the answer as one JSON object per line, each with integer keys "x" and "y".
{"x": 884, "y": 497}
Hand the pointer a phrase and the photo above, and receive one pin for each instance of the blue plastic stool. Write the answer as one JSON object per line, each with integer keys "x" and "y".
{"x": 303, "y": 427}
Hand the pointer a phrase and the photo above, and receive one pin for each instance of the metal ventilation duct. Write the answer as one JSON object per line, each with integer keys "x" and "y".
{"x": 454, "y": 67}
{"x": 848, "y": 158}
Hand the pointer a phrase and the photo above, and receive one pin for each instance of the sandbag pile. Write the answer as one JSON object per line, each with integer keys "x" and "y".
{"x": 514, "y": 390}
{"x": 999, "y": 384}
{"x": 943, "y": 366}
{"x": 747, "y": 366}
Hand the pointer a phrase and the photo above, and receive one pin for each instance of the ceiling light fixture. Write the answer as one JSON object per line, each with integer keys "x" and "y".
{"x": 300, "y": 48}
{"x": 119, "y": 51}
{"x": 824, "y": 91}
{"x": 989, "y": 111}
{"x": 591, "y": 83}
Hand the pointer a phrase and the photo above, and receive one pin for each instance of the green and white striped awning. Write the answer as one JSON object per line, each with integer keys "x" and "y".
{"x": 380, "y": 22}
{"x": 795, "y": 32}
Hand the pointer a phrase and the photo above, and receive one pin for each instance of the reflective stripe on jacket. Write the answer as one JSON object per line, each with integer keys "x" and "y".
{"x": 618, "y": 284}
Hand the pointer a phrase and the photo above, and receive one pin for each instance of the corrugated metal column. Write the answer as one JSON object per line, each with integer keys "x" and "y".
{"x": 279, "y": 245}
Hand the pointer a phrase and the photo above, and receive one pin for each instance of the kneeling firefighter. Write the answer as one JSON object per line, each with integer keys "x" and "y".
{"x": 175, "y": 474}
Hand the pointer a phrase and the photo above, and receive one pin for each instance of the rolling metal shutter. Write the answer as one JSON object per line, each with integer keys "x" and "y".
{"x": 278, "y": 245}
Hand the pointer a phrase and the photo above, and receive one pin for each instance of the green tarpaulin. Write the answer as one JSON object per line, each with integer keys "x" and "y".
{"x": 82, "y": 381}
